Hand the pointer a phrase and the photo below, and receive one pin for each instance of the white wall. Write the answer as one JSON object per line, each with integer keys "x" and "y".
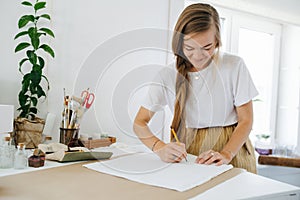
{"x": 9, "y": 76}
{"x": 88, "y": 33}
{"x": 288, "y": 99}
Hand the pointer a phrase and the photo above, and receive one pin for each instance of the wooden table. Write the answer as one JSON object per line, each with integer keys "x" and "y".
{"x": 77, "y": 182}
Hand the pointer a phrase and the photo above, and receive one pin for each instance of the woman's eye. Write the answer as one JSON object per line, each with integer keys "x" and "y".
{"x": 189, "y": 48}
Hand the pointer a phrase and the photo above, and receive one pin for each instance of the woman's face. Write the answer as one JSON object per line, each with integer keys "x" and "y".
{"x": 199, "y": 47}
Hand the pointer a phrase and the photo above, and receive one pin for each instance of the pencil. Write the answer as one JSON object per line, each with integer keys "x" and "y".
{"x": 176, "y": 138}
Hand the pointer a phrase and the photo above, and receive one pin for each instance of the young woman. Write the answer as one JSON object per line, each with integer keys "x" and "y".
{"x": 210, "y": 94}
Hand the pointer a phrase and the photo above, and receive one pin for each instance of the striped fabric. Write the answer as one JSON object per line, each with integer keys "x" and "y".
{"x": 201, "y": 140}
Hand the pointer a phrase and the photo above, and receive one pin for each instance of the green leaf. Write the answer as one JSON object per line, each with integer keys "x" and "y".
{"x": 21, "y": 34}
{"x": 34, "y": 101}
{"x": 36, "y": 68}
{"x": 25, "y": 85}
{"x": 48, "y": 31}
{"x": 48, "y": 84}
{"x": 39, "y": 34}
{"x": 46, "y": 16}
{"x": 23, "y": 99}
{"x": 21, "y": 46}
{"x": 21, "y": 63}
{"x": 32, "y": 116}
{"x": 22, "y": 92}
{"x": 33, "y": 110}
{"x": 40, "y": 91}
{"x": 47, "y": 49}
{"x": 26, "y": 3}
{"x": 41, "y": 62}
{"x": 36, "y": 77}
{"x": 25, "y": 110}
{"x": 24, "y": 20}
{"x": 39, "y": 5}
{"x": 35, "y": 41}
{"x": 32, "y": 89}
{"x": 23, "y": 114}
{"x": 26, "y": 78}
{"x": 32, "y": 57}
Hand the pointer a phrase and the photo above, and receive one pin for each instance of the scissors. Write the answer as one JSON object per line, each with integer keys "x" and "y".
{"x": 87, "y": 98}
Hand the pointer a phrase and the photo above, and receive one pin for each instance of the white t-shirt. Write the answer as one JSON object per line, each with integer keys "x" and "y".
{"x": 214, "y": 93}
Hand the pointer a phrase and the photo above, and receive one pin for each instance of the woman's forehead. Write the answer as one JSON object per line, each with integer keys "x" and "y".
{"x": 201, "y": 38}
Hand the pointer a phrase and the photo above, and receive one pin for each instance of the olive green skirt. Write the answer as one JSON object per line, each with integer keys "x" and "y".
{"x": 201, "y": 140}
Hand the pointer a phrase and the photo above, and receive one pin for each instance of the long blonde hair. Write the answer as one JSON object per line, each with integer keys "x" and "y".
{"x": 195, "y": 18}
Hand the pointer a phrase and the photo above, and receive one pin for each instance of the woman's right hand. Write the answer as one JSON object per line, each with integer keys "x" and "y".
{"x": 171, "y": 152}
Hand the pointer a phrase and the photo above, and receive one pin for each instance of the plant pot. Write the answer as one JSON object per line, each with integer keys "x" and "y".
{"x": 28, "y": 131}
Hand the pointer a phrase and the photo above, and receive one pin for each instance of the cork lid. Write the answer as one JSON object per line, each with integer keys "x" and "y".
{"x": 48, "y": 137}
{"x": 7, "y": 139}
{"x": 21, "y": 145}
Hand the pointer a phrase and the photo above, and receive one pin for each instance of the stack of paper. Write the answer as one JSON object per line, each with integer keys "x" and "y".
{"x": 147, "y": 168}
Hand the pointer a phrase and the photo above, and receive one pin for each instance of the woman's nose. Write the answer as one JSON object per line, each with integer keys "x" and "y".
{"x": 199, "y": 54}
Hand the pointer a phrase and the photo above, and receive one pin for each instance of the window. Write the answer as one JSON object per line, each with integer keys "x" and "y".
{"x": 258, "y": 43}
{"x": 270, "y": 51}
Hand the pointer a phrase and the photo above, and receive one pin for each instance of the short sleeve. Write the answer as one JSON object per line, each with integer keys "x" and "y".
{"x": 244, "y": 88}
{"x": 155, "y": 98}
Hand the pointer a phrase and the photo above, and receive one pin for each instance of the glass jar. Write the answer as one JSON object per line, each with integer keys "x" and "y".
{"x": 20, "y": 157}
{"x": 7, "y": 154}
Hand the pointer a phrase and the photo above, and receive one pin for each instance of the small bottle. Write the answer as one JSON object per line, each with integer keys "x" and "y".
{"x": 47, "y": 139}
{"x": 7, "y": 154}
{"x": 20, "y": 157}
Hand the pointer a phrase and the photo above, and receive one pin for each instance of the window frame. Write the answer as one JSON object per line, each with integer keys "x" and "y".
{"x": 261, "y": 24}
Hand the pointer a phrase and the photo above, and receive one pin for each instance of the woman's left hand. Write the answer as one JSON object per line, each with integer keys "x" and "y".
{"x": 211, "y": 156}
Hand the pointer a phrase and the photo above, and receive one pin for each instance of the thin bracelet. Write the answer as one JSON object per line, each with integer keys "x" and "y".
{"x": 230, "y": 152}
{"x": 154, "y": 144}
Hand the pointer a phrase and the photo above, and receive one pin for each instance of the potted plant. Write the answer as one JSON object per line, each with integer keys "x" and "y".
{"x": 29, "y": 127}
{"x": 263, "y": 144}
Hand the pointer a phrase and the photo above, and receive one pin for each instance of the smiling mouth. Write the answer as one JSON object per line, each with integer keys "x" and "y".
{"x": 200, "y": 64}
{"x": 201, "y": 60}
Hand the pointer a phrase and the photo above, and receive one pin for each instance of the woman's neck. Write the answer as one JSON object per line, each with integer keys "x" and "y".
{"x": 195, "y": 69}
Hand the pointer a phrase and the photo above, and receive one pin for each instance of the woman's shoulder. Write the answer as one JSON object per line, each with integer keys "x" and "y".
{"x": 231, "y": 65}
{"x": 230, "y": 59}
{"x": 166, "y": 74}
{"x": 230, "y": 62}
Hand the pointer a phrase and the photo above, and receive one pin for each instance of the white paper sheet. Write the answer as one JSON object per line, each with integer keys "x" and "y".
{"x": 147, "y": 168}
{"x": 253, "y": 187}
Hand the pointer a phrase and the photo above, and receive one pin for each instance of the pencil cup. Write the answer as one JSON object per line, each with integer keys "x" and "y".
{"x": 69, "y": 137}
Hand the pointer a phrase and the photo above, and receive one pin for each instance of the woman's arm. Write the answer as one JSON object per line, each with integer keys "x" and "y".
{"x": 142, "y": 130}
{"x": 238, "y": 138}
{"x": 171, "y": 152}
